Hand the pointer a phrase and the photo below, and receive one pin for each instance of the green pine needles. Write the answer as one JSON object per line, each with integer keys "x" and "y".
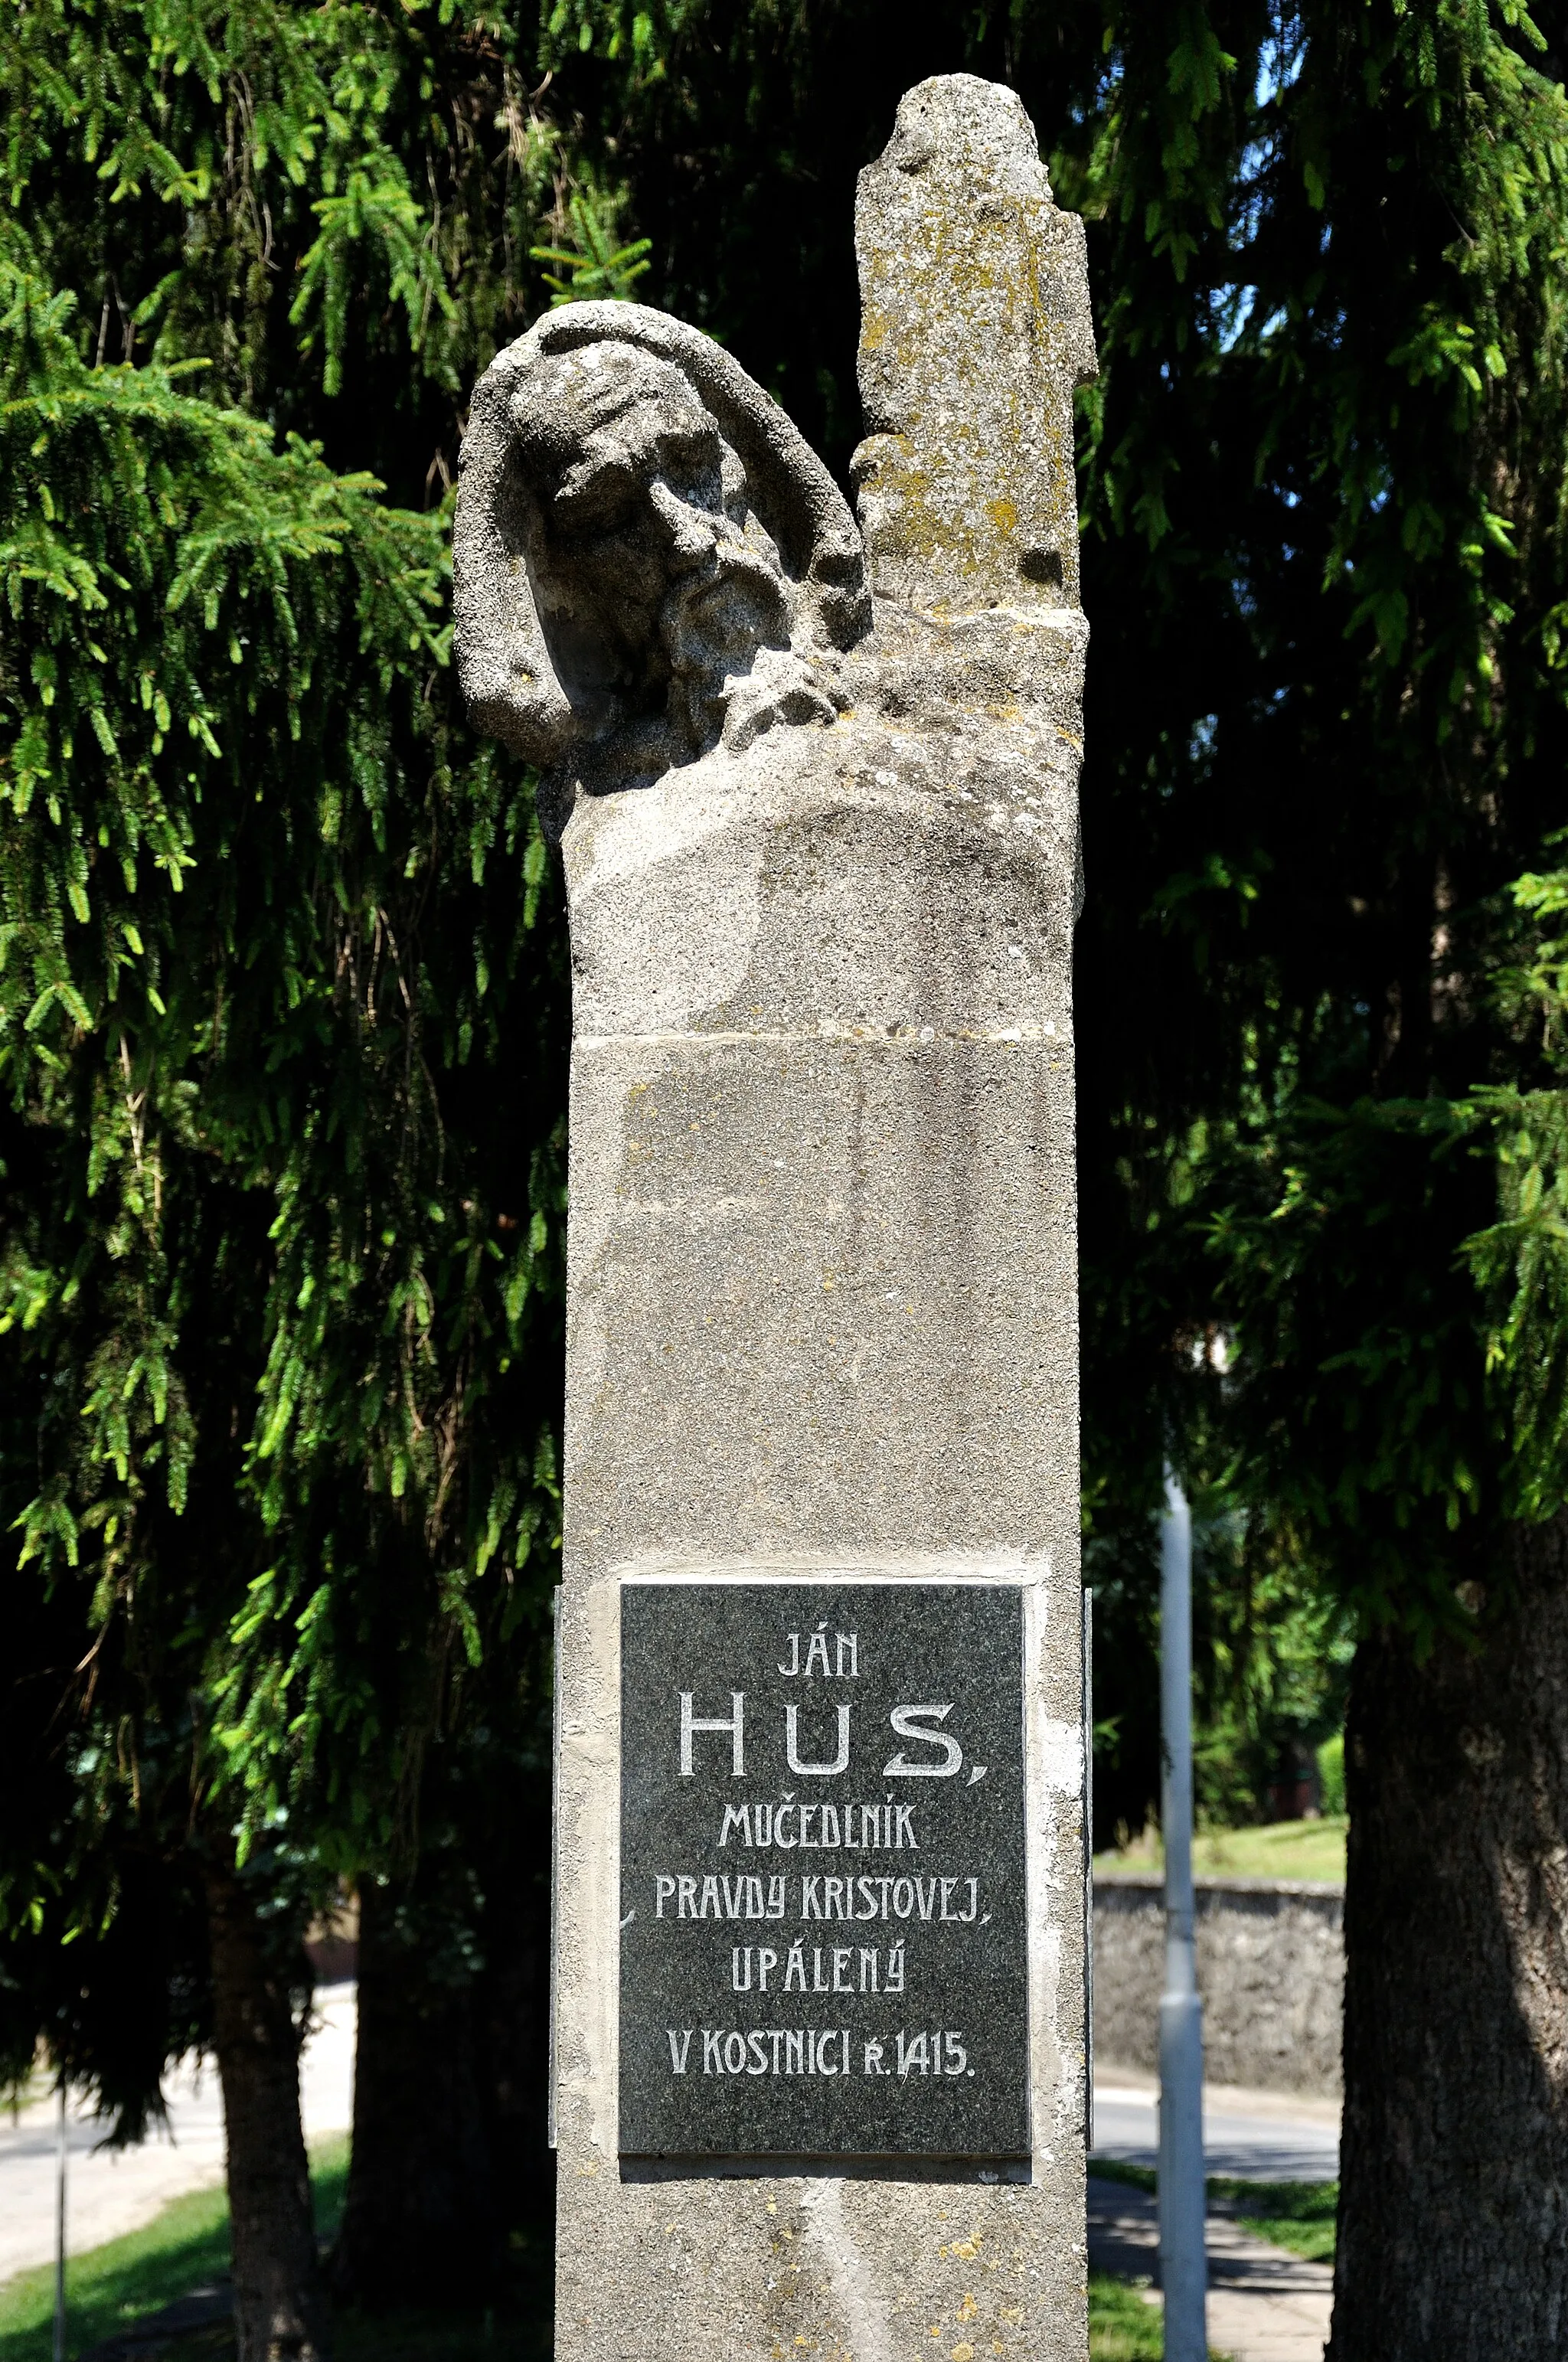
{"x": 282, "y": 994}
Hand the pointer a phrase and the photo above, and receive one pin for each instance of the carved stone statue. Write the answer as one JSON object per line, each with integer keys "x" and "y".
{"x": 817, "y": 800}
{"x": 650, "y": 561}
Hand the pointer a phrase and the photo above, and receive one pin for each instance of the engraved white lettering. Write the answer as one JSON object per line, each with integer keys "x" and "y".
{"x": 906, "y": 1726}
{"x": 821, "y": 1770}
{"x": 736, "y": 1726}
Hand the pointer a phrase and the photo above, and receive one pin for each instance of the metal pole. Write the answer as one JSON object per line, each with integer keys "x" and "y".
{"x": 60, "y": 2236}
{"x": 1183, "y": 2265}
{"x": 1089, "y": 1867}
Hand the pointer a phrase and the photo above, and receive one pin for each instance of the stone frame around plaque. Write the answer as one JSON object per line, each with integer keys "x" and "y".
{"x": 1050, "y": 1787}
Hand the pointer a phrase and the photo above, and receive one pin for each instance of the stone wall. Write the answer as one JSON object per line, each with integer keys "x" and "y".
{"x": 1271, "y": 1967}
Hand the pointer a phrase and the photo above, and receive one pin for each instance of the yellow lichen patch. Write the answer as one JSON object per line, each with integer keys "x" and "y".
{"x": 966, "y": 2248}
{"x": 1003, "y": 515}
{"x": 964, "y": 2353}
{"x": 968, "y": 2309}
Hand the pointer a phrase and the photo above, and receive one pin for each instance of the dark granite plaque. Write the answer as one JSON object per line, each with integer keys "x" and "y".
{"x": 823, "y": 1931}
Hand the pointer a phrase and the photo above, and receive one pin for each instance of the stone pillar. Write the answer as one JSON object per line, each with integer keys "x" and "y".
{"x": 818, "y": 2032}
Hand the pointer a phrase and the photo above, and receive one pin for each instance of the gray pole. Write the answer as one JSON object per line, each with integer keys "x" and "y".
{"x": 60, "y": 2236}
{"x": 1089, "y": 1867}
{"x": 1183, "y": 2265}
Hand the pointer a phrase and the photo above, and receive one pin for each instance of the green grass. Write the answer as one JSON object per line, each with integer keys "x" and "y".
{"x": 1121, "y": 2326}
{"x": 1295, "y": 2214}
{"x": 1133, "y": 2177}
{"x": 1310, "y": 1849}
{"x": 108, "y": 2287}
{"x": 186, "y": 2246}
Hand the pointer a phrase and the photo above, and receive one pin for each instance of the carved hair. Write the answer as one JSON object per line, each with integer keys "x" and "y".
{"x": 534, "y": 415}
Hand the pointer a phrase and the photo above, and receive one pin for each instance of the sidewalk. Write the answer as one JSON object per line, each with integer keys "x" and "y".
{"x": 1264, "y": 2304}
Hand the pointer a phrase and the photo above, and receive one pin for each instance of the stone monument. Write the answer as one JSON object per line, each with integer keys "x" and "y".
{"x": 819, "y": 2029}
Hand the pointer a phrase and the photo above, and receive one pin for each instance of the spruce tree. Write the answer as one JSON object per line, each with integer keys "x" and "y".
{"x": 281, "y": 1007}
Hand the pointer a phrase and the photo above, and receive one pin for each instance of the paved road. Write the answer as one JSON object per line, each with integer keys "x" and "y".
{"x": 108, "y": 2192}
{"x": 1256, "y": 2136}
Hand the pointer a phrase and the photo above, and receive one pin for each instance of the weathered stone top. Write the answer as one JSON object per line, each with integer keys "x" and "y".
{"x": 975, "y": 330}
{"x": 658, "y": 587}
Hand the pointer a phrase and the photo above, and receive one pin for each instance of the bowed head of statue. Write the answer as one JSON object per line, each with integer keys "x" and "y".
{"x": 650, "y": 562}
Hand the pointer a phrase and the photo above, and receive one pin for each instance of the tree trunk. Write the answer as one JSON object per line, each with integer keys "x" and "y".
{"x": 420, "y": 2223}
{"x": 451, "y": 2187}
{"x": 278, "y": 2306}
{"x": 1453, "y": 2203}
